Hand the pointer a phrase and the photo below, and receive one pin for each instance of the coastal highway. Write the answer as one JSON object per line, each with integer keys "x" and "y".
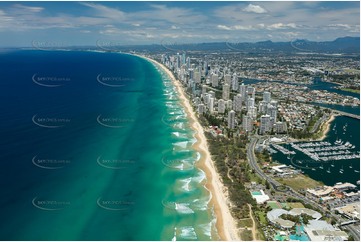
{"x": 252, "y": 160}
{"x": 253, "y": 163}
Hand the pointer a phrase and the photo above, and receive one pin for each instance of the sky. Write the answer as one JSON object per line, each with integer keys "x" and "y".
{"x": 130, "y": 23}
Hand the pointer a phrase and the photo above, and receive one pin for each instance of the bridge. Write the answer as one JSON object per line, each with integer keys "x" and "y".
{"x": 346, "y": 114}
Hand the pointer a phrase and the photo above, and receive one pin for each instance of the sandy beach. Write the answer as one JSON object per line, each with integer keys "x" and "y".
{"x": 226, "y": 225}
{"x": 326, "y": 127}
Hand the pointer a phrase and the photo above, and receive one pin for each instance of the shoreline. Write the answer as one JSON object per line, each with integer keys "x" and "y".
{"x": 225, "y": 223}
{"x": 326, "y": 126}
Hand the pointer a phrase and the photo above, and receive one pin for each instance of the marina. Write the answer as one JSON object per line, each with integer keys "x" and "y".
{"x": 325, "y": 151}
{"x": 334, "y": 159}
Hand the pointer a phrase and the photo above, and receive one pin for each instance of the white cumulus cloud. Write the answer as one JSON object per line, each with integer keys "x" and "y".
{"x": 254, "y": 9}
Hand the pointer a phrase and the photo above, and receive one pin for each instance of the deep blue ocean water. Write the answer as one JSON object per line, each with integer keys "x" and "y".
{"x": 95, "y": 146}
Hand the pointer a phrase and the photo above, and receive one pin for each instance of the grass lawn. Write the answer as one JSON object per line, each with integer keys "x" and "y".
{"x": 296, "y": 205}
{"x": 262, "y": 217}
{"x": 300, "y": 182}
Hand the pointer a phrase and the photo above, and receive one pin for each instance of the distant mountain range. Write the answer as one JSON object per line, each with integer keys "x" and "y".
{"x": 346, "y": 45}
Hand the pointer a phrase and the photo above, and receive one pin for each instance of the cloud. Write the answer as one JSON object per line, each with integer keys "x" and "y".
{"x": 106, "y": 12}
{"x": 281, "y": 26}
{"x": 224, "y": 27}
{"x": 254, "y": 9}
{"x": 29, "y": 9}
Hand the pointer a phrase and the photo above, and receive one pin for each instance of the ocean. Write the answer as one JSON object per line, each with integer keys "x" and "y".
{"x": 95, "y": 146}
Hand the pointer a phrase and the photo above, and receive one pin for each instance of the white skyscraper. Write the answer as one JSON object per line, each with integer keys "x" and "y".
{"x": 281, "y": 127}
{"x": 237, "y": 101}
{"x": 250, "y": 103}
{"x": 214, "y": 80}
{"x": 228, "y": 79}
{"x": 262, "y": 107}
{"x": 272, "y": 112}
{"x": 221, "y": 106}
{"x": 225, "y": 92}
{"x": 229, "y": 104}
{"x": 235, "y": 83}
{"x": 267, "y": 97}
{"x": 212, "y": 93}
{"x": 231, "y": 119}
{"x": 243, "y": 91}
{"x": 265, "y": 125}
{"x": 197, "y": 77}
{"x": 247, "y": 123}
{"x": 252, "y": 112}
{"x": 251, "y": 92}
{"x": 201, "y": 108}
{"x": 211, "y": 104}
{"x": 204, "y": 89}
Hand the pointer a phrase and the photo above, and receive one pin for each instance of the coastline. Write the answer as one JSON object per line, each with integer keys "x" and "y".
{"x": 226, "y": 225}
{"x": 326, "y": 127}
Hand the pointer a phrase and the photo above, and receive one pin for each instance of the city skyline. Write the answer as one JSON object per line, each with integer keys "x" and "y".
{"x": 136, "y": 23}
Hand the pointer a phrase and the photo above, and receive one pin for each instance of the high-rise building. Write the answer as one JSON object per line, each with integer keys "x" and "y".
{"x": 265, "y": 125}
{"x": 267, "y": 97}
{"x": 225, "y": 92}
{"x": 280, "y": 127}
{"x": 247, "y": 123}
{"x": 252, "y": 112}
{"x": 251, "y": 92}
{"x": 197, "y": 77}
{"x": 204, "y": 89}
{"x": 228, "y": 79}
{"x": 212, "y": 93}
{"x": 229, "y": 104}
{"x": 211, "y": 104}
{"x": 243, "y": 91}
{"x": 221, "y": 106}
{"x": 272, "y": 112}
{"x": 214, "y": 80}
{"x": 262, "y": 107}
{"x": 274, "y": 103}
{"x": 231, "y": 119}
{"x": 235, "y": 83}
{"x": 250, "y": 103}
{"x": 237, "y": 101}
{"x": 191, "y": 74}
{"x": 201, "y": 108}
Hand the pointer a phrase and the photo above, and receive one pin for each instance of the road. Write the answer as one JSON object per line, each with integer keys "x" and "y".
{"x": 252, "y": 160}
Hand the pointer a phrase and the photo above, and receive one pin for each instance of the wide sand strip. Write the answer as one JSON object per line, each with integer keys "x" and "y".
{"x": 226, "y": 225}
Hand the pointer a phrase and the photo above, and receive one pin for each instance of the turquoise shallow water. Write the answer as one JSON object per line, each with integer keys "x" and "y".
{"x": 121, "y": 168}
